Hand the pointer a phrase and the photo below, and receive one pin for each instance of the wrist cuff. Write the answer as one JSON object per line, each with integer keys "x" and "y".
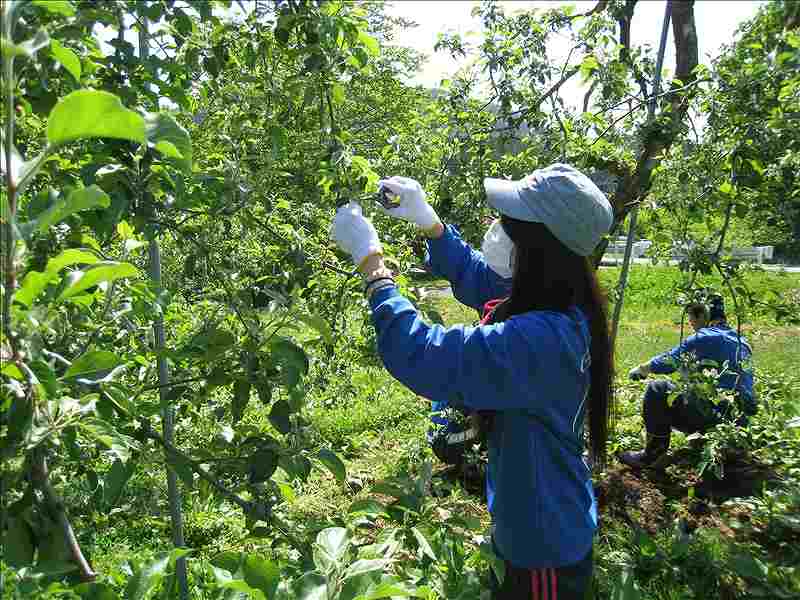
{"x": 377, "y": 280}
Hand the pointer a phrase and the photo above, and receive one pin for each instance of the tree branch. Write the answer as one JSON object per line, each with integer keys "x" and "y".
{"x": 255, "y": 510}
{"x": 563, "y": 129}
{"x": 598, "y": 8}
{"x": 55, "y": 505}
{"x": 659, "y": 140}
{"x": 588, "y": 95}
{"x": 624, "y": 20}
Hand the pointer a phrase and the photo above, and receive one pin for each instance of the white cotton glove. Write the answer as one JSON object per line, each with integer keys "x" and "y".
{"x": 354, "y": 233}
{"x": 639, "y": 372}
{"x": 413, "y": 206}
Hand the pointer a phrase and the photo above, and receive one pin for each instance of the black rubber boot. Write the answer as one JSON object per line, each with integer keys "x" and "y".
{"x": 650, "y": 457}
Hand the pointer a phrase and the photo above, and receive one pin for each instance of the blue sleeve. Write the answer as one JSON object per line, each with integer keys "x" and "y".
{"x": 474, "y": 282}
{"x": 466, "y": 366}
{"x": 665, "y": 363}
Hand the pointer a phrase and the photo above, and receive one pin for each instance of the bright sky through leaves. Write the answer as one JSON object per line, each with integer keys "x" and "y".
{"x": 716, "y": 24}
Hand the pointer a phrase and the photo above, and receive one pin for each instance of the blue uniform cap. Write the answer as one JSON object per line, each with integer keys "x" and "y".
{"x": 562, "y": 198}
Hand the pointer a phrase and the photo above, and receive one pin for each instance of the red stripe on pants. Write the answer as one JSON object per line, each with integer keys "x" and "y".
{"x": 535, "y": 584}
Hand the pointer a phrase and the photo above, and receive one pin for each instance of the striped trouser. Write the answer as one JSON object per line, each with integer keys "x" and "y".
{"x": 560, "y": 583}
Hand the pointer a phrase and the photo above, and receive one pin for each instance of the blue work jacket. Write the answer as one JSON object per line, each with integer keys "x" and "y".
{"x": 533, "y": 370}
{"x": 721, "y": 344}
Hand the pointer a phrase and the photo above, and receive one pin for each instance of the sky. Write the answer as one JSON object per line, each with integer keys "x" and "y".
{"x": 716, "y": 22}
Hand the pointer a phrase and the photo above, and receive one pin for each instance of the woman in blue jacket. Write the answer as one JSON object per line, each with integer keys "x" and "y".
{"x": 540, "y": 367}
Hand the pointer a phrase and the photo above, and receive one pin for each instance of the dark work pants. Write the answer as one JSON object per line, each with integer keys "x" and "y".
{"x": 561, "y": 583}
{"x": 686, "y": 414}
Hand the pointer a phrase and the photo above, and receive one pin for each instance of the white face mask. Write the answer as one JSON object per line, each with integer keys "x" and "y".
{"x": 498, "y": 250}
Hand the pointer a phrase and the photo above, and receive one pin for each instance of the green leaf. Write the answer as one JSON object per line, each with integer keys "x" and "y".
{"x": 71, "y": 256}
{"x": 296, "y": 466}
{"x": 367, "y": 506}
{"x": 147, "y": 578}
{"x": 262, "y": 465}
{"x": 261, "y": 574}
{"x": 58, "y": 7}
{"x": 320, "y": 325}
{"x": 91, "y": 362}
{"x": 388, "y": 590}
{"x": 125, "y": 231}
{"x": 279, "y": 416}
{"x": 98, "y": 273}
{"x": 33, "y": 284}
{"x": 80, "y": 199}
{"x": 333, "y": 542}
{"x": 588, "y": 66}
{"x": 119, "y": 444}
{"x": 333, "y": 463}
{"x": 337, "y": 92}
{"x": 167, "y": 136}
{"x": 726, "y": 188}
{"x": 12, "y": 370}
{"x": 748, "y": 567}
{"x": 424, "y": 544}
{"x": 241, "y": 396}
{"x": 362, "y": 566}
{"x": 27, "y": 48}
{"x": 88, "y": 114}
{"x": 68, "y": 59}
{"x": 369, "y": 43}
{"x": 115, "y": 480}
{"x": 95, "y": 591}
{"x": 331, "y": 550}
{"x": 291, "y": 358}
{"x": 18, "y": 543}
{"x": 626, "y": 588}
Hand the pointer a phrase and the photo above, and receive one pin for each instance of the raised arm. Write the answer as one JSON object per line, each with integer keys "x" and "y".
{"x": 474, "y": 282}
{"x": 448, "y": 256}
{"x": 665, "y": 363}
{"x": 466, "y": 366}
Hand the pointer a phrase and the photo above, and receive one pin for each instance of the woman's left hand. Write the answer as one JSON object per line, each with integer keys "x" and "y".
{"x": 355, "y": 234}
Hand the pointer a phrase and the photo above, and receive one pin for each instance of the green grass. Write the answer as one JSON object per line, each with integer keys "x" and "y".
{"x": 377, "y": 427}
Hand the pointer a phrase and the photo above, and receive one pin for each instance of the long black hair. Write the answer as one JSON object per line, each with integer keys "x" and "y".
{"x": 549, "y": 276}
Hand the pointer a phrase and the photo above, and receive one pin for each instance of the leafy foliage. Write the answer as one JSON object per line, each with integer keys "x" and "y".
{"x": 229, "y": 143}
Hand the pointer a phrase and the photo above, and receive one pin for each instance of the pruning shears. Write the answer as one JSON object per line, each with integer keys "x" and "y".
{"x": 383, "y": 196}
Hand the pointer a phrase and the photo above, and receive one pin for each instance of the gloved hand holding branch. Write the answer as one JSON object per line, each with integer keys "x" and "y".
{"x": 413, "y": 205}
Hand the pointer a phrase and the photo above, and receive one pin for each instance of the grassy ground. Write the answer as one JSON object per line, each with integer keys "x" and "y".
{"x": 656, "y": 534}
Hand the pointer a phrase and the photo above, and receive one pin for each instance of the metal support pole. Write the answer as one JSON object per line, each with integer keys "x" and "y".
{"x": 167, "y": 412}
{"x": 651, "y": 109}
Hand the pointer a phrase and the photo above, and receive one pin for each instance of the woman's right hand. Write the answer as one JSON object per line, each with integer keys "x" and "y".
{"x": 413, "y": 206}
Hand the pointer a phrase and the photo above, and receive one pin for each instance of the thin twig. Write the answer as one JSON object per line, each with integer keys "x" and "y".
{"x": 563, "y": 129}
{"x": 651, "y": 98}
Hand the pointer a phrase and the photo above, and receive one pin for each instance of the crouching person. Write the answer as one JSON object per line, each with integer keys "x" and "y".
{"x": 713, "y": 340}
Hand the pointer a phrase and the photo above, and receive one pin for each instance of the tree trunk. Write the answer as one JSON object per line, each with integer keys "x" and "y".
{"x": 635, "y": 185}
